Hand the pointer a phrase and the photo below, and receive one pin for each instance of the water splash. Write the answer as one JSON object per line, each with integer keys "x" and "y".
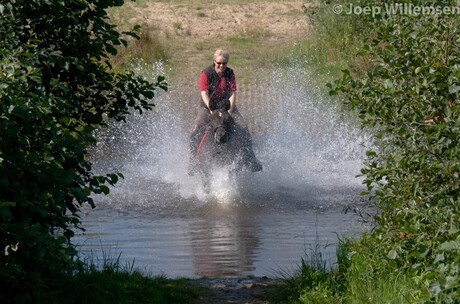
{"x": 309, "y": 150}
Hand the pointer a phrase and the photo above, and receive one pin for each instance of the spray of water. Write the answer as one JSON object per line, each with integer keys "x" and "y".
{"x": 309, "y": 150}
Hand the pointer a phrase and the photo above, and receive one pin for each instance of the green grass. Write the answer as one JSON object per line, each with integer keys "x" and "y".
{"x": 148, "y": 48}
{"x": 204, "y": 3}
{"x": 124, "y": 287}
{"x": 238, "y": 40}
{"x": 331, "y": 46}
{"x": 367, "y": 282}
{"x": 108, "y": 282}
{"x": 358, "y": 278}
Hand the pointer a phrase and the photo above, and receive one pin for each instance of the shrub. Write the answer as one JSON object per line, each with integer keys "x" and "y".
{"x": 56, "y": 87}
{"x": 409, "y": 99}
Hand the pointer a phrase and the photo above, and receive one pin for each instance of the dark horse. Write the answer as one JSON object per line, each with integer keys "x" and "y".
{"x": 224, "y": 144}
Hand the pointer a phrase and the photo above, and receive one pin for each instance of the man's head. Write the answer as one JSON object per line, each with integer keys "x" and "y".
{"x": 220, "y": 60}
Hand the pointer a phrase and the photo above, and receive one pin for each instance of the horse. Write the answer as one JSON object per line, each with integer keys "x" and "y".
{"x": 224, "y": 144}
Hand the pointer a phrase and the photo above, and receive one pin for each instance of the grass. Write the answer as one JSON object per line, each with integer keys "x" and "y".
{"x": 109, "y": 282}
{"x": 204, "y": 3}
{"x": 148, "y": 48}
{"x": 325, "y": 51}
{"x": 124, "y": 287}
{"x": 368, "y": 283}
{"x": 358, "y": 278}
{"x": 330, "y": 47}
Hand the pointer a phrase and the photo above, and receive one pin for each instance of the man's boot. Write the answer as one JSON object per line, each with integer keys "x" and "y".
{"x": 193, "y": 148}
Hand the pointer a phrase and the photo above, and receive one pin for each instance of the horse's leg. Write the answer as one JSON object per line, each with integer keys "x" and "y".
{"x": 207, "y": 185}
{"x": 197, "y": 134}
{"x": 193, "y": 147}
{"x": 249, "y": 159}
{"x": 206, "y": 180}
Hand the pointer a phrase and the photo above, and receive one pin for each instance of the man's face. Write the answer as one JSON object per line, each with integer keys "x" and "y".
{"x": 220, "y": 64}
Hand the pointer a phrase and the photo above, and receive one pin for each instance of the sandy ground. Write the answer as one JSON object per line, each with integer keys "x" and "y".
{"x": 284, "y": 19}
{"x": 192, "y": 30}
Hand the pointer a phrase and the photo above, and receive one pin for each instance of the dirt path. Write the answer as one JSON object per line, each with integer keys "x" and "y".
{"x": 241, "y": 291}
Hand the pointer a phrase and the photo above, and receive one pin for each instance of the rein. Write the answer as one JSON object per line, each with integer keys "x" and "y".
{"x": 200, "y": 145}
{"x": 201, "y": 142}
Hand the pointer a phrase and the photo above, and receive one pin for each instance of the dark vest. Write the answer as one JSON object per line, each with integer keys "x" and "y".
{"x": 213, "y": 79}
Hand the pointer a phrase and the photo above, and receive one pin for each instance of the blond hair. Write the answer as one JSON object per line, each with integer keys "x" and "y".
{"x": 221, "y": 53}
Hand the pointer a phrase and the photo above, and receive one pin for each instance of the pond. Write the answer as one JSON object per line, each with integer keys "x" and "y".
{"x": 218, "y": 238}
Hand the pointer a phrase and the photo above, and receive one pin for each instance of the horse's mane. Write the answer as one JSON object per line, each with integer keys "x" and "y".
{"x": 227, "y": 119}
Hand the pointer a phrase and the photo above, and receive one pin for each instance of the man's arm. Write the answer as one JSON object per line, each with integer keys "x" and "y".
{"x": 232, "y": 102}
{"x": 205, "y": 97}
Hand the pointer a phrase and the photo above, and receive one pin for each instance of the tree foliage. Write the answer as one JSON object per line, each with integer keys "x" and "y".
{"x": 56, "y": 88}
{"x": 409, "y": 98}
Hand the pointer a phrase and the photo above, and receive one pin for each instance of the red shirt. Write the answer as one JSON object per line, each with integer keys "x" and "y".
{"x": 221, "y": 87}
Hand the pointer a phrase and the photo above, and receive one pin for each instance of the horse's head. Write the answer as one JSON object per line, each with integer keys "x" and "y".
{"x": 221, "y": 122}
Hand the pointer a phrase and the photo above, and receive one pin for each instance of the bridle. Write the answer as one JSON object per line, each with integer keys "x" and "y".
{"x": 214, "y": 128}
{"x": 226, "y": 136}
{"x": 223, "y": 127}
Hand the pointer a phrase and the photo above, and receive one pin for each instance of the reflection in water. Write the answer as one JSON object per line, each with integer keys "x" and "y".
{"x": 224, "y": 243}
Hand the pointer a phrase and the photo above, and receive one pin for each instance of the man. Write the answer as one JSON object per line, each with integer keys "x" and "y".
{"x": 218, "y": 90}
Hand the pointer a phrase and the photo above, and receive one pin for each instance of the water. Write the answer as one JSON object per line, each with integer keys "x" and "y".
{"x": 260, "y": 224}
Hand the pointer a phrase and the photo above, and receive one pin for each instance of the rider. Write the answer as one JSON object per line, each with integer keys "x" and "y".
{"x": 218, "y": 90}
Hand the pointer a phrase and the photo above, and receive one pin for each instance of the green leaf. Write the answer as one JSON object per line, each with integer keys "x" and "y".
{"x": 454, "y": 89}
{"x": 439, "y": 258}
{"x": 54, "y": 88}
{"x": 393, "y": 254}
{"x": 450, "y": 246}
{"x": 371, "y": 153}
{"x": 105, "y": 189}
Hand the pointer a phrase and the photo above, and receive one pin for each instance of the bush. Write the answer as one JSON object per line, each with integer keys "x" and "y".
{"x": 409, "y": 99}
{"x": 56, "y": 88}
